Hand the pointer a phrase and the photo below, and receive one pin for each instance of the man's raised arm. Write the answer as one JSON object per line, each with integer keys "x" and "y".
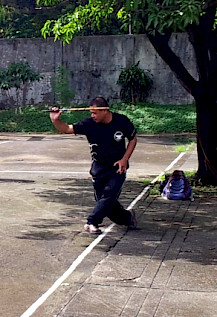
{"x": 60, "y": 125}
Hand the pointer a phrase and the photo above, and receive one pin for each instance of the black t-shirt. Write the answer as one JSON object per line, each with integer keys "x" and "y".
{"x": 107, "y": 141}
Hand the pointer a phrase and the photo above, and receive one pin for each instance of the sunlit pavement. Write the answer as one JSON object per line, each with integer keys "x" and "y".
{"x": 165, "y": 268}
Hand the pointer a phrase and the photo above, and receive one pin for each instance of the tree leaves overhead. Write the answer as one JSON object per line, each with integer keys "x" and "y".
{"x": 66, "y": 18}
{"x": 25, "y": 18}
{"x": 48, "y": 2}
{"x": 140, "y": 15}
{"x": 90, "y": 15}
{"x": 176, "y": 15}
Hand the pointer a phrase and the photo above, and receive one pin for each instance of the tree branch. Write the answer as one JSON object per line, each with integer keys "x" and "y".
{"x": 204, "y": 40}
{"x": 160, "y": 43}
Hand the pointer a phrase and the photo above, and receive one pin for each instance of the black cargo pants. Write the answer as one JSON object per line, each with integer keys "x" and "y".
{"x": 107, "y": 188}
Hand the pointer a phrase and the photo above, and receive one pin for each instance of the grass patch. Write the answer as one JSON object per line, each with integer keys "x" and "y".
{"x": 147, "y": 118}
{"x": 154, "y": 118}
{"x": 184, "y": 147}
{"x": 33, "y": 119}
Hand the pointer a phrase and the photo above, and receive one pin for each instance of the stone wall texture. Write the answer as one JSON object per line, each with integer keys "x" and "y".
{"x": 95, "y": 63}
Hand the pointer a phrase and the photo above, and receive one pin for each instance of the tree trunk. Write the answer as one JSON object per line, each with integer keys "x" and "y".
{"x": 204, "y": 92}
{"x": 206, "y": 139}
{"x": 204, "y": 40}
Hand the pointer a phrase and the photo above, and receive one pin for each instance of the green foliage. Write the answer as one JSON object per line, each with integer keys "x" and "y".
{"x": 138, "y": 15}
{"x": 69, "y": 18}
{"x": 48, "y": 2}
{"x": 24, "y": 120}
{"x": 61, "y": 87}
{"x": 158, "y": 19}
{"x": 184, "y": 147}
{"x": 148, "y": 118}
{"x": 135, "y": 83}
{"x": 151, "y": 15}
{"x": 16, "y": 24}
{"x": 154, "y": 118}
{"x": 130, "y": 21}
{"x": 24, "y": 19}
{"x": 90, "y": 15}
{"x": 174, "y": 14}
{"x": 32, "y": 119}
{"x": 5, "y": 12}
{"x": 16, "y": 75}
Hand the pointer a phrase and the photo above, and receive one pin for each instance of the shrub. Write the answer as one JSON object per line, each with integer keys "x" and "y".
{"x": 61, "y": 87}
{"x": 16, "y": 76}
{"x": 135, "y": 83}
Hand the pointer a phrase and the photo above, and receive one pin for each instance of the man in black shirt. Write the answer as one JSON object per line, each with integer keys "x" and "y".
{"x": 106, "y": 133}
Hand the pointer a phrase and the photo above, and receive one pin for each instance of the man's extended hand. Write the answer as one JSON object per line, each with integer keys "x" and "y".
{"x": 55, "y": 114}
{"x": 122, "y": 164}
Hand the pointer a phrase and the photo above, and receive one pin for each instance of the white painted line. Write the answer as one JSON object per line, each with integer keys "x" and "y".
{"x": 146, "y": 189}
{"x": 58, "y": 282}
{"x": 175, "y": 161}
{"x": 86, "y": 172}
{"x": 5, "y": 142}
{"x": 74, "y": 265}
{"x": 169, "y": 166}
{"x": 134, "y": 202}
{"x": 82, "y": 256}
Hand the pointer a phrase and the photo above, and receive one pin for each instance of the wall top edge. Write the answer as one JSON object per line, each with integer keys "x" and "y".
{"x": 40, "y": 39}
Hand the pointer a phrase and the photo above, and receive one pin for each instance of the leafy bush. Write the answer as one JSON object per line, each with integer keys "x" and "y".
{"x": 17, "y": 74}
{"x": 61, "y": 87}
{"x": 135, "y": 83}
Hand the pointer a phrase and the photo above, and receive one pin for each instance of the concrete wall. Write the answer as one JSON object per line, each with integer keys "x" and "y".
{"x": 43, "y": 56}
{"x": 95, "y": 63}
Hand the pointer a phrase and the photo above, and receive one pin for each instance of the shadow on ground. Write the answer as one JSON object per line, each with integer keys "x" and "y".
{"x": 11, "y": 180}
{"x": 187, "y": 229}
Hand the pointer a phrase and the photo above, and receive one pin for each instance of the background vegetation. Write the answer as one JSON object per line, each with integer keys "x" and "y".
{"x": 26, "y": 18}
{"x": 158, "y": 20}
{"x": 148, "y": 118}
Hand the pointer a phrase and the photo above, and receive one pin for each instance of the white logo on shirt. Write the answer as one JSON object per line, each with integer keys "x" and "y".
{"x": 92, "y": 151}
{"x": 118, "y": 136}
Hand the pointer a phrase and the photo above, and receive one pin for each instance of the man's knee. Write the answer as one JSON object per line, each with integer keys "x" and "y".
{"x": 111, "y": 191}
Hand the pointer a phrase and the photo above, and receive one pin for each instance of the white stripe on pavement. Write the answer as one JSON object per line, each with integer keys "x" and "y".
{"x": 83, "y": 255}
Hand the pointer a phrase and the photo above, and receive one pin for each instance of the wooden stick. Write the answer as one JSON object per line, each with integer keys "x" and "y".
{"x": 78, "y": 109}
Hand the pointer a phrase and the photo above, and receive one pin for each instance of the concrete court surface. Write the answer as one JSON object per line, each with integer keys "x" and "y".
{"x": 46, "y": 195}
{"x": 69, "y": 155}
